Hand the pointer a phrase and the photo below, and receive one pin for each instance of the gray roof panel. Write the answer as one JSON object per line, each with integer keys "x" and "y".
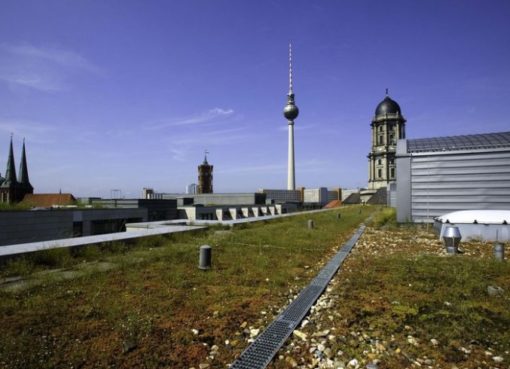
{"x": 456, "y": 143}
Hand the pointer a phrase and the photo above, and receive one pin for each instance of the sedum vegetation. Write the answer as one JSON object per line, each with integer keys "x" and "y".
{"x": 402, "y": 302}
{"x": 398, "y": 300}
{"x": 151, "y": 306}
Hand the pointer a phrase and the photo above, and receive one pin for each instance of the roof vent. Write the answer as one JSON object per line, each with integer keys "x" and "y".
{"x": 451, "y": 239}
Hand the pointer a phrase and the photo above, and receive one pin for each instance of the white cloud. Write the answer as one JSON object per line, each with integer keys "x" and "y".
{"x": 182, "y": 147}
{"x": 35, "y": 132}
{"x": 212, "y": 115}
{"x": 44, "y": 83}
{"x": 215, "y": 137}
{"x": 178, "y": 154}
{"x": 39, "y": 68}
{"x": 58, "y": 56}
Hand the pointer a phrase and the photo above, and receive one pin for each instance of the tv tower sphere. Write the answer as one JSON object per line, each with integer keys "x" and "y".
{"x": 290, "y": 111}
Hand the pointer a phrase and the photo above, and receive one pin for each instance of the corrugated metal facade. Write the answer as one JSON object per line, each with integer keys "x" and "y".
{"x": 433, "y": 183}
{"x": 445, "y": 183}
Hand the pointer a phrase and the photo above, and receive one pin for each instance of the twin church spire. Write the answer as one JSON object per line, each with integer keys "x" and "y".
{"x": 23, "y": 170}
{"x": 10, "y": 171}
{"x": 13, "y": 188}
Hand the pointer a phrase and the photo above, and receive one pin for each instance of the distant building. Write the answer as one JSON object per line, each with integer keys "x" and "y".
{"x": 278, "y": 196}
{"x": 205, "y": 177}
{"x": 48, "y": 200}
{"x": 352, "y": 198}
{"x": 304, "y": 197}
{"x": 228, "y": 199}
{"x": 233, "y": 212}
{"x": 388, "y": 126}
{"x": 318, "y": 196}
{"x": 191, "y": 189}
{"x": 147, "y": 193}
{"x": 157, "y": 208}
{"x": 12, "y": 188}
{"x": 440, "y": 175}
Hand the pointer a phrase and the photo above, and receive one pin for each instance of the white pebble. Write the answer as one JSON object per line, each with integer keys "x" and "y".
{"x": 497, "y": 359}
{"x": 353, "y": 363}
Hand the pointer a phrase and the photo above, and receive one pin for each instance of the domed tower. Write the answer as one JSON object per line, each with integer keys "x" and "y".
{"x": 388, "y": 125}
{"x": 291, "y": 112}
{"x": 205, "y": 177}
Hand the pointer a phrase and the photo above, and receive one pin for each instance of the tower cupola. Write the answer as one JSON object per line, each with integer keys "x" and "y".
{"x": 388, "y": 106}
{"x": 388, "y": 126}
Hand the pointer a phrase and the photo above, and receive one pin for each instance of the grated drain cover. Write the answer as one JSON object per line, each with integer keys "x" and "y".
{"x": 260, "y": 353}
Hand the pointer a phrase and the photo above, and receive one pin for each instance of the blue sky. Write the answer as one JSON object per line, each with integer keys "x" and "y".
{"x": 128, "y": 94}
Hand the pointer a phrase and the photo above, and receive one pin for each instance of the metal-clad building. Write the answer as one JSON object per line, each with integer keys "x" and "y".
{"x": 444, "y": 174}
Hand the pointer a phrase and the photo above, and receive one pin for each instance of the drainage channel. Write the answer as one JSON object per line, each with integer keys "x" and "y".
{"x": 260, "y": 353}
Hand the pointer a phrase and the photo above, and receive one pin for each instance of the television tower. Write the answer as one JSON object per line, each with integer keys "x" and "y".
{"x": 291, "y": 112}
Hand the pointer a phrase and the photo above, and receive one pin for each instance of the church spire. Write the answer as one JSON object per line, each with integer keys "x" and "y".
{"x": 23, "y": 171}
{"x": 10, "y": 171}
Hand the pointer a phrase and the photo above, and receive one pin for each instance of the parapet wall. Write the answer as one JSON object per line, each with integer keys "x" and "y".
{"x": 43, "y": 225}
{"x": 31, "y": 226}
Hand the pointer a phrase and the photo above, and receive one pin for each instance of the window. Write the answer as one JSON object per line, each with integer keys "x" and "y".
{"x": 379, "y": 173}
{"x": 379, "y": 161}
{"x": 392, "y": 172}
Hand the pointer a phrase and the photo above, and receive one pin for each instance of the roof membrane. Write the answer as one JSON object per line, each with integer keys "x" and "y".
{"x": 455, "y": 143}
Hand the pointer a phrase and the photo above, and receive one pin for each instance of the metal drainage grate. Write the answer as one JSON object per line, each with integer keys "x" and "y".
{"x": 300, "y": 306}
{"x": 260, "y": 353}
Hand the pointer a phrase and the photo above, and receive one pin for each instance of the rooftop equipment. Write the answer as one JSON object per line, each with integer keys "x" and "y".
{"x": 451, "y": 240}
